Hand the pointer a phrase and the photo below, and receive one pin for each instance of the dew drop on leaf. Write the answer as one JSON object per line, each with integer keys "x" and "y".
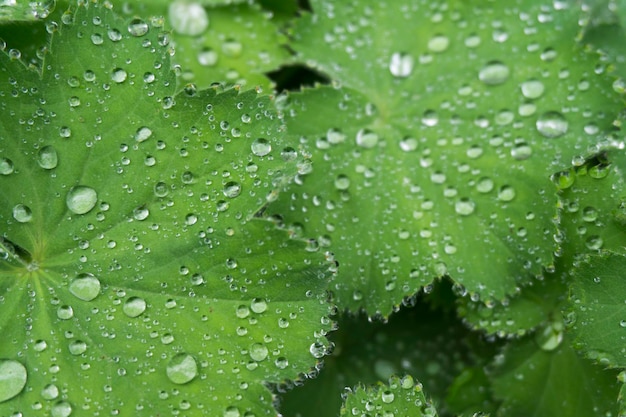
{"x": 552, "y": 124}
{"x": 143, "y": 133}
{"x": 366, "y": 138}
{"x": 258, "y": 305}
{"x": 137, "y": 27}
{"x": 232, "y": 189}
{"x": 22, "y": 213}
{"x": 13, "y": 377}
{"x": 521, "y": 151}
{"x": 550, "y": 337}
{"x": 77, "y": 347}
{"x": 464, "y": 207}
{"x": 532, "y": 89}
{"x": 47, "y": 157}
{"x": 188, "y": 18}
{"x": 134, "y": 306}
{"x": 50, "y": 392}
{"x": 85, "y": 287}
{"x": 207, "y": 57}
{"x": 61, "y": 409}
{"x": 182, "y": 368}
{"x": 65, "y": 312}
{"x": 438, "y": 43}
{"x": 258, "y": 352}
{"x": 119, "y": 75}
{"x": 6, "y": 166}
{"x": 387, "y": 397}
{"x": 408, "y": 144}
{"x": 342, "y": 182}
{"x": 261, "y": 147}
{"x": 506, "y": 193}
{"x": 232, "y": 48}
{"x": 401, "y": 65}
{"x": 232, "y": 411}
{"x": 494, "y": 73}
{"x": 81, "y": 199}
{"x": 141, "y": 213}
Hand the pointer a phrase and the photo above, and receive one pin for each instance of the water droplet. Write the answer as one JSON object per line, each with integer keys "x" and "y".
{"x": 65, "y": 312}
{"x": 119, "y": 75}
{"x": 552, "y": 124}
{"x": 550, "y": 337}
{"x": 97, "y": 39}
{"x": 188, "y": 18}
{"x": 143, "y": 133}
{"x": 182, "y": 368}
{"x": 61, "y": 409}
{"x": 494, "y": 73}
{"x": 13, "y": 377}
{"x": 81, "y": 199}
{"x": 532, "y": 89}
{"x": 138, "y": 27}
{"x": 134, "y": 306}
{"x": 594, "y": 242}
{"x": 85, "y": 287}
{"x": 261, "y": 147}
{"x": 78, "y": 347}
{"x": 564, "y": 179}
{"x": 258, "y": 352}
{"x": 401, "y": 65}
{"x": 232, "y": 189}
{"x": 207, "y": 57}
{"x": 430, "y": 118}
{"x": 506, "y": 193}
{"x": 232, "y": 48}
{"x": 590, "y": 214}
{"x": 408, "y": 144}
{"x": 335, "y": 136}
{"x": 161, "y": 189}
{"x": 474, "y": 152}
{"x": 464, "y": 207}
{"x": 521, "y": 151}
{"x": 6, "y": 166}
{"x": 258, "y": 305}
{"x": 438, "y": 43}
{"x": 281, "y": 362}
{"x": 342, "y": 182}
{"x": 232, "y": 411}
{"x": 22, "y": 213}
{"x": 141, "y": 213}
{"x": 47, "y": 157}
{"x": 317, "y": 349}
{"x": 366, "y": 138}
{"x": 387, "y": 397}
{"x": 50, "y": 392}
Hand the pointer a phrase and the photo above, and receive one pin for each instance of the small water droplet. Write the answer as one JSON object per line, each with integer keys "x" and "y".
{"x": 494, "y": 73}
{"x": 532, "y": 89}
{"x": 232, "y": 189}
{"x": 258, "y": 352}
{"x": 47, "y": 157}
{"x": 387, "y": 397}
{"x": 61, "y": 409}
{"x": 521, "y": 151}
{"x": 506, "y": 193}
{"x": 464, "y": 207}
{"x": 141, "y": 213}
{"x": 232, "y": 48}
{"x": 134, "y": 306}
{"x": 366, "y": 138}
{"x": 342, "y": 182}
{"x": 438, "y": 43}
{"x": 143, "y": 133}
{"x": 22, "y": 213}
{"x": 188, "y": 18}
{"x": 119, "y": 75}
{"x": 6, "y": 166}
{"x": 552, "y": 124}
{"x": 261, "y": 147}
{"x": 408, "y": 144}
{"x": 258, "y": 305}
{"x": 182, "y": 368}
{"x": 81, "y": 199}
{"x": 77, "y": 347}
{"x": 85, "y": 287}
{"x": 138, "y": 27}
{"x": 594, "y": 242}
{"x": 13, "y": 377}
{"x": 550, "y": 337}
{"x": 207, "y": 57}
{"x": 401, "y": 65}
{"x": 161, "y": 189}
{"x": 590, "y": 214}
{"x": 50, "y": 392}
{"x": 65, "y": 312}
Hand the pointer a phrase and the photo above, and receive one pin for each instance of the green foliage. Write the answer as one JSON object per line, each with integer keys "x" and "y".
{"x": 440, "y": 229}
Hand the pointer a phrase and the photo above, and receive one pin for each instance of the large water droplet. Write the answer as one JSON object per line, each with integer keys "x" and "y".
{"x": 494, "y": 73}
{"x": 258, "y": 305}
{"x": 143, "y": 133}
{"x": 438, "y": 43}
{"x": 464, "y": 207}
{"x": 22, "y": 213}
{"x": 188, "y": 18}
{"x": 6, "y": 166}
{"x": 550, "y": 337}
{"x": 182, "y": 368}
{"x": 258, "y": 352}
{"x": 13, "y": 377}
{"x": 366, "y": 138}
{"x": 387, "y": 397}
{"x": 65, "y": 312}
{"x": 50, "y": 392}
{"x": 61, "y": 409}
{"x": 81, "y": 199}
{"x": 77, "y": 347}
{"x": 119, "y": 75}
{"x": 401, "y": 65}
{"x": 552, "y": 124}
{"x": 207, "y": 57}
{"x": 138, "y": 27}
{"x": 506, "y": 193}
{"x": 85, "y": 287}
{"x": 532, "y": 89}
{"x": 232, "y": 189}
{"x": 261, "y": 147}
{"x": 47, "y": 157}
{"x": 134, "y": 306}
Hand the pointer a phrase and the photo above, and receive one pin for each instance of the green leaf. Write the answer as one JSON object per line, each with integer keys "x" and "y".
{"x": 132, "y": 278}
{"x": 470, "y": 393}
{"x": 401, "y": 396}
{"x": 216, "y": 43}
{"x": 25, "y": 10}
{"x": 434, "y": 157}
{"x": 535, "y": 382}
{"x": 598, "y": 309}
{"x": 622, "y": 394}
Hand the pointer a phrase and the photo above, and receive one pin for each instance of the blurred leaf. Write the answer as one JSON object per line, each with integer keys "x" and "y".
{"x": 25, "y": 10}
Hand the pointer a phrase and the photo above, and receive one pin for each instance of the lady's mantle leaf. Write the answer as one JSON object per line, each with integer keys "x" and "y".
{"x": 598, "y": 309}
{"x": 452, "y": 118}
{"x": 128, "y": 284}
{"x": 25, "y": 10}
{"x": 400, "y": 397}
{"x": 548, "y": 382}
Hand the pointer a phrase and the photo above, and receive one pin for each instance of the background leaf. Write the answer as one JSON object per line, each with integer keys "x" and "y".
{"x": 419, "y": 172}
{"x": 129, "y": 260}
